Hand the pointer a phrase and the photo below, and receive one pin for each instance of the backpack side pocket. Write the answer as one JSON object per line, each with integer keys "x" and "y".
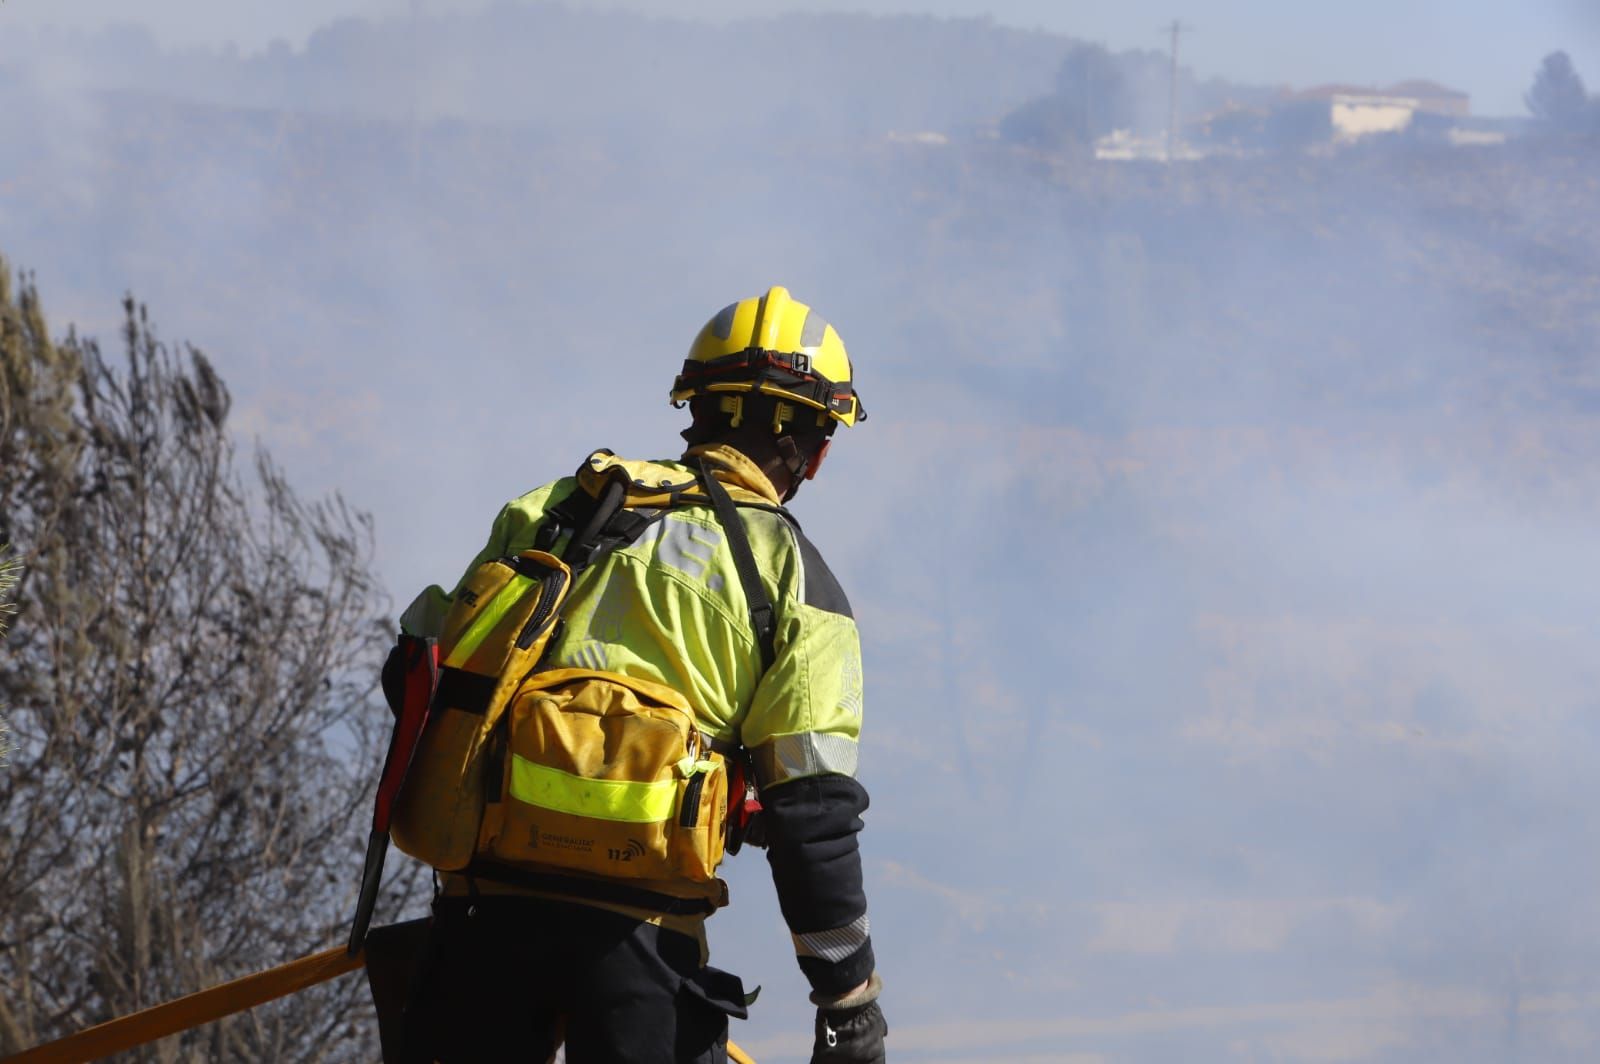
{"x": 492, "y": 638}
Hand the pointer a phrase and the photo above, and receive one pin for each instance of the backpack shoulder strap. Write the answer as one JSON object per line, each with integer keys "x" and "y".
{"x": 595, "y": 525}
{"x": 762, "y": 617}
{"x": 582, "y": 547}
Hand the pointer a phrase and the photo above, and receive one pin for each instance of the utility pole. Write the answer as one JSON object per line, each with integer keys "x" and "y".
{"x": 1176, "y": 29}
{"x": 414, "y": 132}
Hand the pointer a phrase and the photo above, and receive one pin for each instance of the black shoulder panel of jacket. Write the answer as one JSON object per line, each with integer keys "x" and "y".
{"x": 822, "y": 588}
{"x": 811, "y": 826}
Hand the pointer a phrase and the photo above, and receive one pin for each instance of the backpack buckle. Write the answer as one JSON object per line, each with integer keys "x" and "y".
{"x": 580, "y": 558}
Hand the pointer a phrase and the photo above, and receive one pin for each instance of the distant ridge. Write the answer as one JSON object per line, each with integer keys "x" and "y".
{"x": 531, "y": 63}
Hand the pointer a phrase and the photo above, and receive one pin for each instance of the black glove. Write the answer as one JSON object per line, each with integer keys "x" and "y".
{"x": 755, "y": 832}
{"x": 850, "y": 1029}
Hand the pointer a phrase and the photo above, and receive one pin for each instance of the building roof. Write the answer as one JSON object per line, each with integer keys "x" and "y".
{"x": 1423, "y": 88}
{"x": 1325, "y": 92}
{"x": 1415, "y": 89}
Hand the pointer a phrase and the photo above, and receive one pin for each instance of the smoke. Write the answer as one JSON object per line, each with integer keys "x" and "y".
{"x": 1219, "y": 535}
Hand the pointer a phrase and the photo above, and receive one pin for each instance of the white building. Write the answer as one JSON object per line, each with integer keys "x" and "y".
{"x": 1123, "y": 146}
{"x": 1358, "y": 112}
{"x": 1361, "y": 116}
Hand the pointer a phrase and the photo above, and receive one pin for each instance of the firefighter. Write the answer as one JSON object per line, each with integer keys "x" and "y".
{"x": 510, "y": 969}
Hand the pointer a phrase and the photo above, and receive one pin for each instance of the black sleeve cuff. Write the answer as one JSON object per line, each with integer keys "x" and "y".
{"x": 837, "y": 977}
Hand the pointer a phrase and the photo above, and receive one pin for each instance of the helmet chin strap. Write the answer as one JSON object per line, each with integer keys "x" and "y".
{"x": 801, "y": 467}
{"x": 796, "y": 463}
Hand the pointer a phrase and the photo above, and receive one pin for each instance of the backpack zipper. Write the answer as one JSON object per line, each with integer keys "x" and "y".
{"x": 689, "y": 816}
{"x": 550, "y": 589}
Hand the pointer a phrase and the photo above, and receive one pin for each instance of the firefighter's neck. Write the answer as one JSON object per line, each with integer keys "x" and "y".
{"x": 780, "y": 458}
{"x": 772, "y": 459}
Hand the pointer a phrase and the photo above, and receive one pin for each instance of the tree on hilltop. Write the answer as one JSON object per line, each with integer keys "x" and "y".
{"x": 189, "y": 681}
{"x": 1091, "y": 99}
{"x": 1558, "y": 97}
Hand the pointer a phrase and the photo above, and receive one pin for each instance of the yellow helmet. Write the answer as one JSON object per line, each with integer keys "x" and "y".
{"x": 776, "y": 346}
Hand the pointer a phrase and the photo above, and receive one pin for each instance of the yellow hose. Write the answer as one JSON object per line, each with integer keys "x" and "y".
{"x": 173, "y": 1017}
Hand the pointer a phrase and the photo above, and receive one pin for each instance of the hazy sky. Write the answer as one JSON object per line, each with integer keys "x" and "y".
{"x": 1485, "y": 47}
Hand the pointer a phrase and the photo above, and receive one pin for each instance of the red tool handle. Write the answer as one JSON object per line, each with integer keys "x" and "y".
{"x": 422, "y": 677}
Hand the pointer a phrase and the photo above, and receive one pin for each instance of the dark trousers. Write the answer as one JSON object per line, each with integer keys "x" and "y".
{"x": 502, "y": 977}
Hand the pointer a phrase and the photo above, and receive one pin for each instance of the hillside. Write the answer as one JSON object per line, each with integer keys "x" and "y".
{"x": 546, "y": 65}
{"x": 1435, "y": 272}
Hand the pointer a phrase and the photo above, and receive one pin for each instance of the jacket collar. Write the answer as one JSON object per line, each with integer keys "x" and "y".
{"x": 731, "y": 466}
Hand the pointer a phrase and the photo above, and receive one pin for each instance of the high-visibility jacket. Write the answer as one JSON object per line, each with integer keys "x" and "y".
{"x": 670, "y": 608}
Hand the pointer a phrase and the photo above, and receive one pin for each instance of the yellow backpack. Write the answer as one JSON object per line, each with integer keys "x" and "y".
{"x": 569, "y": 779}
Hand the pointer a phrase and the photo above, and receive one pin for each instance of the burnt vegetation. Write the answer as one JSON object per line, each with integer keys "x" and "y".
{"x": 189, "y": 682}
